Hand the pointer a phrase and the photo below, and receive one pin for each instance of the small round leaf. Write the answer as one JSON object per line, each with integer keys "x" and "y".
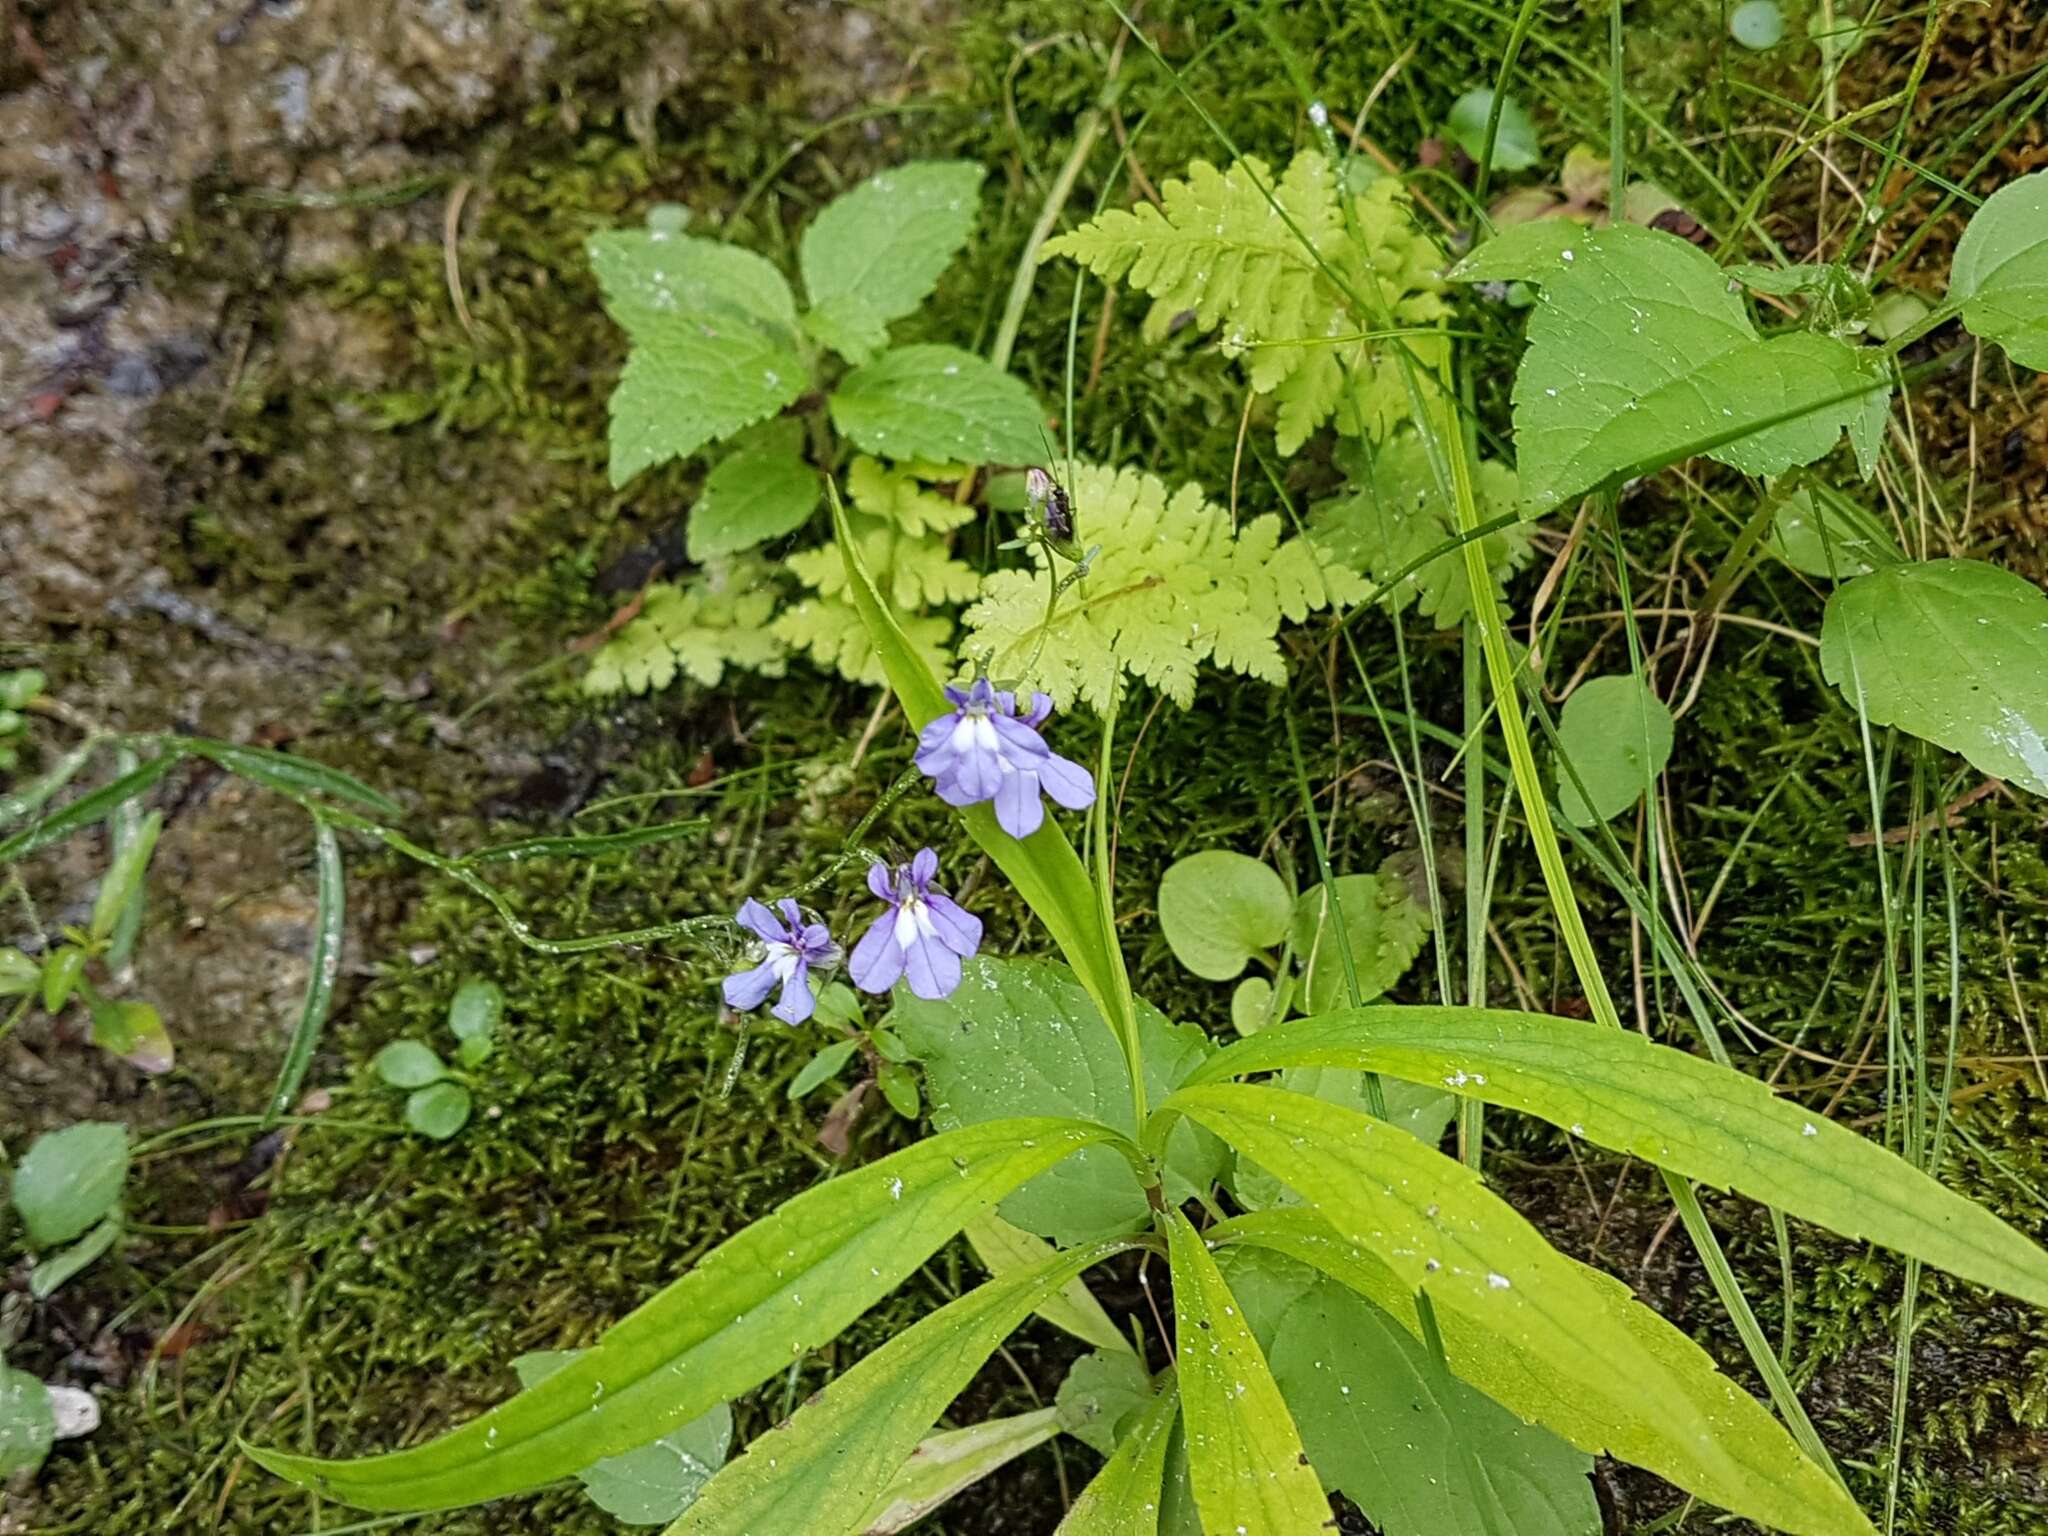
{"x": 409, "y": 1064}
{"x": 1218, "y": 907}
{"x": 478, "y": 1005}
{"x": 69, "y": 1179}
{"x": 1618, "y": 736}
{"x": 1757, "y": 24}
{"x": 1514, "y": 141}
{"x": 1251, "y": 1005}
{"x": 438, "y": 1110}
{"x": 27, "y": 1424}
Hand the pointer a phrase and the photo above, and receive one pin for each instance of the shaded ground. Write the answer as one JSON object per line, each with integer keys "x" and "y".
{"x": 259, "y": 478}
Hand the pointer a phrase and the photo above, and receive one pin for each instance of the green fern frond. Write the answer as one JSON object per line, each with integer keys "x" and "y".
{"x": 1171, "y": 585}
{"x": 915, "y": 573}
{"x": 1221, "y": 250}
{"x": 699, "y": 627}
{"x": 896, "y": 494}
{"x": 1396, "y": 516}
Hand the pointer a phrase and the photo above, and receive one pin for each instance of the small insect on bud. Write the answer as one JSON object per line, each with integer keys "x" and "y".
{"x": 1050, "y": 497}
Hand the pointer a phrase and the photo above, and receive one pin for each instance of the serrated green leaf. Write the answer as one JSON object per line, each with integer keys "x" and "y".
{"x": 1172, "y": 585}
{"x": 1217, "y": 908}
{"x": 822, "y": 1470}
{"x": 651, "y": 276}
{"x": 69, "y": 1179}
{"x": 408, "y": 1064}
{"x": 874, "y": 253}
{"x": 782, "y": 1286}
{"x": 28, "y": 1427}
{"x": 658, "y": 1481}
{"x": 894, "y": 495}
{"x": 1100, "y": 1391}
{"x": 1515, "y": 146}
{"x": 1431, "y": 1221}
{"x": 698, "y": 627}
{"x": 1124, "y": 1498}
{"x": 757, "y": 492}
{"x": 822, "y": 1067}
{"x": 2000, "y": 271}
{"x": 1004, "y": 1249}
{"x": 1952, "y": 651}
{"x": 916, "y": 573}
{"x": 438, "y": 1110}
{"x": 1640, "y": 356}
{"x": 1383, "y": 1424}
{"x": 1021, "y": 1037}
{"x": 1244, "y": 1454}
{"x": 939, "y": 403}
{"x": 1384, "y": 924}
{"x": 690, "y": 381}
{"x": 1617, "y": 735}
{"x": 1708, "y": 1122}
{"x": 950, "y": 1463}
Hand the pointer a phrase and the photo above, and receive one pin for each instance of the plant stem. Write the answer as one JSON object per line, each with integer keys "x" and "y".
{"x": 1085, "y": 135}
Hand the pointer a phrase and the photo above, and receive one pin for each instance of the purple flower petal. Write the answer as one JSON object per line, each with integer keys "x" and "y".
{"x": 1041, "y": 710}
{"x": 1018, "y": 811}
{"x": 749, "y": 989}
{"x": 877, "y": 959}
{"x": 760, "y": 922}
{"x": 924, "y": 868}
{"x": 796, "y": 1003}
{"x": 1020, "y": 744}
{"x": 881, "y": 882}
{"x": 792, "y": 917}
{"x": 957, "y": 928}
{"x": 1068, "y": 783}
{"x": 817, "y": 946}
{"x": 932, "y": 970}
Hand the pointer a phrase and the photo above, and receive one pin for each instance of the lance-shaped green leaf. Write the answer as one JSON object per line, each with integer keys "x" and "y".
{"x": 1952, "y": 651}
{"x": 290, "y": 774}
{"x": 1043, "y": 867}
{"x": 88, "y": 809}
{"x": 1708, "y": 1122}
{"x": 321, "y": 970}
{"x": 1443, "y": 1233}
{"x": 2000, "y": 271}
{"x": 1244, "y": 1455}
{"x": 874, "y": 253}
{"x": 1124, "y": 1498}
{"x": 1640, "y": 356}
{"x": 781, "y": 1287}
{"x": 951, "y": 1462}
{"x": 822, "y": 1470}
{"x": 1004, "y": 1249}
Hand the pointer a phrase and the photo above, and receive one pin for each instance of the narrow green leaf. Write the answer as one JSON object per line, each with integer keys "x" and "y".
{"x": 1043, "y": 867}
{"x": 1218, "y": 908}
{"x": 69, "y": 1179}
{"x": 60, "y": 1266}
{"x": 899, "y": 1086}
{"x": 658, "y": 1481}
{"x": 785, "y": 1285}
{"x": 1618, "y": 1090}
{"x": 61, "y": 975}
{"x": 1004, "y": 1249}
{"x": 322, "y": 967}
{"x": 874, "y": 253}
{"x": 1021, "y": 1037}
{"x": 820, "y": 1472}
{"x": 951, "y": 1462}
{"x": 1434, "y": 1224}
{"x": 88, "y": 810}
{"x": 823, "y": 1067}
{"x": 438, "y": 1110}
{"x": 409, "y": 1064}
{"x": 1250, "y": 1472}
{"x": 123, "y": 828}
{"x": 123, "y": 879}
{"x": 32, "y": 796}
{"x": 1952, "y": 651}
{"x": 590, "y": 846}
{"x": 1617, "y": 735}
{"x": 2000, "y": 271}
{"x": 290, "y": 774}
{"x": 942, "y": 404}
{"x": 1124, "y": 1498}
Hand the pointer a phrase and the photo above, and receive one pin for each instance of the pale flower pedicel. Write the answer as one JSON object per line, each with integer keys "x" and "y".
{"x": 985, "y": 750}
{"x": 923, "y": 936}
{"x": 790, "y": 949}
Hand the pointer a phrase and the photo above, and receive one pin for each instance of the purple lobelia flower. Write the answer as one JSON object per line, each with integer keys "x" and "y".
{"x": 986, "y": 750}
{"x": 790, "y": 948}
{"x": 923, "y": 936}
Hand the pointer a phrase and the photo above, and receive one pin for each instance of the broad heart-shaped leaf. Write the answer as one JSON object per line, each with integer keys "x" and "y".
{"x": 653, "y": 275}
{"x": 69, "y": 1179}
{"x": 1100, "y": 1391}
{"x": 1431, "y": 1221}
{"x": 1217, "y": 908}
{"x": 1953, "y": 651}
{"x": 1617, "y": 735}
{"x": 821, "y": 1471}
{"x": 1383, "y": 1425}
{"x": 1616, "y": 1089}
{"x": 760, "y": 491}
{"x": 1043, "y": 867}
{"x": 2000, "y": 271}
{"x": 1244, "y": 1454}
{"x": 1383, "y": 924}
{"x": 692, "y": 379}
{"x": 1020, "y": 1037}
{"x": 874, "y": 253}
{"x": 784, "y": 1285}
{"x": 1639, "y": 356}
{"x": 942, "y": 404}
{"x": 1124, "y": 1497}
{"x": 657, "y": 1482}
